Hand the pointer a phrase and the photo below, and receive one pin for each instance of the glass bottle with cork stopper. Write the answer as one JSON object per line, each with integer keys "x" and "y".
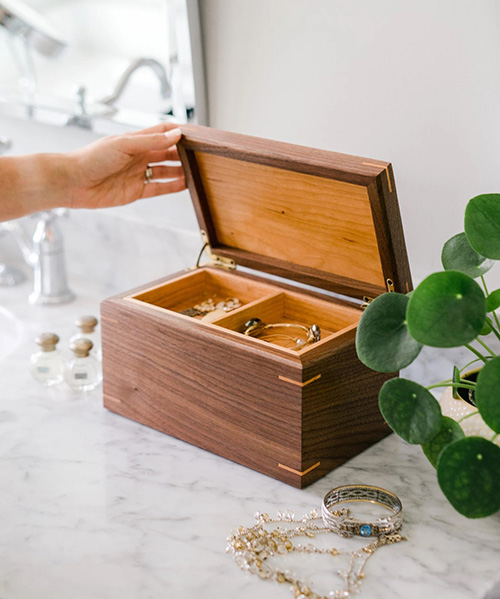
{"x": 87, "y": 330}
{"x": 83, "y": 372}
{"x": 47, "y": 365}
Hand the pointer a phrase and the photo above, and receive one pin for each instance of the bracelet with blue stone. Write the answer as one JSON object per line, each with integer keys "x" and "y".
{"x": 341, "y": 522}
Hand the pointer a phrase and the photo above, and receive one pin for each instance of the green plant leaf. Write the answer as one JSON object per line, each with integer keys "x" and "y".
{"x": 493, "y": 301}
{"x": 382, "y": 340}
{"x": 482, "y": 224}
{"x": 458, "y": 255}
{"x": 487, "y": 393}
{"x": 469, "y": 475}
{"x": 410, "y": 410}
{"x": 449, "y": 431}
{"x": 447, "y": 309}
{"x": 486, "y": 330}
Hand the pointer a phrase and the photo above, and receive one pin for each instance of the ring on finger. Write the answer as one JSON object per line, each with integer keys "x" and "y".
{"x": 148, "y": 174}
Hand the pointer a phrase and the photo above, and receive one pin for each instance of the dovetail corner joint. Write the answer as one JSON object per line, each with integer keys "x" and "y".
{"x": 298, "y": 471}
{"x": 299, "y": 383}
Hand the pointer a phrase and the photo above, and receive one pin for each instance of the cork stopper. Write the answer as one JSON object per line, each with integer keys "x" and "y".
{"x": 47, "y": 341}
{"x": 86, "y": 324}
{"x": 81, "y": 347}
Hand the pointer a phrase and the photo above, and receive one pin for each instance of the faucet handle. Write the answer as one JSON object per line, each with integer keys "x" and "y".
{"x": 81, "y": 94}
{"x": 81, "y": 118}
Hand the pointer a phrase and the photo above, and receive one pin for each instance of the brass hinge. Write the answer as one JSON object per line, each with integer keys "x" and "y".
{"x": 214, "y": 260}
{"x": 368, "y": 300}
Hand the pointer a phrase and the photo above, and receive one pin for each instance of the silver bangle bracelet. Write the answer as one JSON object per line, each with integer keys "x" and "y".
{"x": 341, "y": 522}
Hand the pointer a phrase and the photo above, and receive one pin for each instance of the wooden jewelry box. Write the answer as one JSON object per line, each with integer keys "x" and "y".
{"x": 323, "y": 219}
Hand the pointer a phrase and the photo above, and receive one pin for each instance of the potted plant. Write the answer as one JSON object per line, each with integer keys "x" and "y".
{"x": 447, "y": 309}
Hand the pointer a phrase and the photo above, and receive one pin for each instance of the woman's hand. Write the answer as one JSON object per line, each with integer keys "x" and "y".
{"x": 111, "y": 171}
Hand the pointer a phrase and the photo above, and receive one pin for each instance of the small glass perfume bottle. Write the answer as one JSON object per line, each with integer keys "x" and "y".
{"x": 47, "y": 365}
{"x": 83, "y": 372}
{"x": 87, "y": 330}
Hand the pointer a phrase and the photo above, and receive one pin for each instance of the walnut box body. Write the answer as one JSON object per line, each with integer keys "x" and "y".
{"x": 315, "y": 217}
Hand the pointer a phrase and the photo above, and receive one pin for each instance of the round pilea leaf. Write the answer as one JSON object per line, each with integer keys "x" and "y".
{"x": 447, "y": 309}
{"x": 410, "y": 410}
{"x": 382, "y": 340}
{"x": 482, "y": 224}
{"x": 487, "y": 393}
{"x": 468, "y": 473}
{"x": 493, "y": 301}
{"x": 449, "y": 431}
{"x": 457, "y": 254}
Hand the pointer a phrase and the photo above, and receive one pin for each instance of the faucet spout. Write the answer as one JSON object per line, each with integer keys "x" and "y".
{"x": 45, "y": 254}
{"x": 50, "y": 284}
{"x": 155, "y": 65}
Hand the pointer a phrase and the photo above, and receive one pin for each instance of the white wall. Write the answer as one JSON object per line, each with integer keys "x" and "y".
{"x": 414, "y": 82}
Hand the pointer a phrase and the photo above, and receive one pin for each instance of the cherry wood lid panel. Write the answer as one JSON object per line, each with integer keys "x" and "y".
{"x": 313, "y": 216}
{"x": 294, "y": 218}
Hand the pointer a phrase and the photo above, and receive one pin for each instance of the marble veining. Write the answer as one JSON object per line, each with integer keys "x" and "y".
{"x": 95, "y": 506}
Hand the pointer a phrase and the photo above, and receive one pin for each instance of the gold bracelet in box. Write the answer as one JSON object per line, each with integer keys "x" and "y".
{"x": 289, "y": 335}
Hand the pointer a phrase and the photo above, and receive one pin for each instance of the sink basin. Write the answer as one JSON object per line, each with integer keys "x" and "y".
{"x": 11, "y": 332}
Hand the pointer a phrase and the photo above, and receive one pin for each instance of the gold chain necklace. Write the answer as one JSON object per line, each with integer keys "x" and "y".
{"x": 252, "y": 546}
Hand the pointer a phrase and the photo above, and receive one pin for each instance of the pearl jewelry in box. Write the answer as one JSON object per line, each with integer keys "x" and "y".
{"x": 328, "y": 220}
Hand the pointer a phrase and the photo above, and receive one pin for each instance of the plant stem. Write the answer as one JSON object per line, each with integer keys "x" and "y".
{"x": 469, "y": 364}
{"x": 468, "y": 385}
{"x": 468, "y": 416}
{"x": 493, "y": 330}
{"x": 488, "y": 349}
{"x": 494, "y": 436}
{"x": 475, "y": 352}
{"x": 484, "y": 285}
{"x": 494, "y": 313}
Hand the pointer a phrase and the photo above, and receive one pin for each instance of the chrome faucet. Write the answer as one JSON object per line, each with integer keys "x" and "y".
{"x": 159, "y": 70}
{"x": 45, "y": 254}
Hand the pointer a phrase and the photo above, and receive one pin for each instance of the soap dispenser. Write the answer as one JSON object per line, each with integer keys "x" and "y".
{"x": 83, "y": 372}
{"x": 47, "y": 365}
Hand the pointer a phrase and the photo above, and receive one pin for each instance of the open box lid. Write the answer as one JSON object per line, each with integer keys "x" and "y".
{"x": 325, "y": 219}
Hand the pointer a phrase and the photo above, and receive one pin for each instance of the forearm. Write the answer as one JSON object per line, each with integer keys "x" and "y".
{"x": 34, "y": 182}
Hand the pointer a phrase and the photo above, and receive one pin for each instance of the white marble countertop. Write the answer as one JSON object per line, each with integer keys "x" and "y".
{"x": 95, "y": 506}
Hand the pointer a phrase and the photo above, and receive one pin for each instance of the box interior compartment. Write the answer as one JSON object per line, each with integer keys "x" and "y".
{"x": 295, "y": 308}
{"x": 258, "y": 300}
{"x": 201, "y": 285}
